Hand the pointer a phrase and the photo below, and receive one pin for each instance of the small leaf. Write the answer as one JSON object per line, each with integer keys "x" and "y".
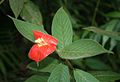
{"x": 1, "y": 2}
{"x": 114, "y": 14}
{"x": 81, "y": 49}
{"x": 113, "y": 43}
{"x": 2, "y": 67}
{"x": 106, "y": 76}
{"x": 114, "y": 35}
{"x": 109, "y": 27}
{"x": 82, "y": 76}
{"x": 16, "y": 6}
{"x": 62, "y": 28}
{"x": 47, "y": 65}
{"x": 31, "y": 13}
{"x": 26, "y": 28}
{"x": 60, "y": 74}
{"x": 37, "y": 78}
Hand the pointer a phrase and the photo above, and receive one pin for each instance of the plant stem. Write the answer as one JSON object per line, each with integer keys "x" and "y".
{"x": 95, "y": 12}
{"x": 69, "y": 64}
{"x": 37, "y": 64}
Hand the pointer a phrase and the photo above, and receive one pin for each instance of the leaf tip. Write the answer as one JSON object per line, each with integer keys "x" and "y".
{"x": 110, "y": 52}
{"x": 10, "y": 17}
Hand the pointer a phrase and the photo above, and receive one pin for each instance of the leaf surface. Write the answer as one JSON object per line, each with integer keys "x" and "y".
{"x": 26, "y": 29}
{"x": 37, "y": 78}
{"x": 62, "y": 28}
{"x": 31, "y": 13}
{"x": 16, "y": 6}
{"x": 82, "y": 76}
{"x": 106, "y": 76}
{"x": 60, "y": 74}
{"x": 81, "y": 49}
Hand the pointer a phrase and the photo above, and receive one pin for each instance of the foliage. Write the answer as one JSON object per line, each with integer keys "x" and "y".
{"x": 88, "y": 39}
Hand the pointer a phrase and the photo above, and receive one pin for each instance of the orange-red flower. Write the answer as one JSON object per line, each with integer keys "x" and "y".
{"x": 44, "y": 45}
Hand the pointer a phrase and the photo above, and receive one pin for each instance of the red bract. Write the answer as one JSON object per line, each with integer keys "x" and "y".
{"x": 44, "y": 45}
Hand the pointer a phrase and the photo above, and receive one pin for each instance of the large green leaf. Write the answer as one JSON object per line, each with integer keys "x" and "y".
{"x": 81, "y": 49}
{"x": 37, "y": 78}
{"x": 114, "y": 35}
{"x": 106, "y": 76}
{"x": 16, "y": 6}
{"x": 26, "y": 28}
{"x": 62, "y": 28}
{"x": 47, "y": 65}
{"x": 82, "y": 76}
{"x": 31, "y": 13}
{"x": 60, "y": 74}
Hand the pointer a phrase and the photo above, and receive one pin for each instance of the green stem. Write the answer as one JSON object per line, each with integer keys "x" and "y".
{"x": 95, "y": 12}
{"x": 69, "y": 64}
{"x": 37, "y": 64}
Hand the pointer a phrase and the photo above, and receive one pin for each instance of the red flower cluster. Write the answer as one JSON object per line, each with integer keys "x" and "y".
{"x": 44, "y": 45}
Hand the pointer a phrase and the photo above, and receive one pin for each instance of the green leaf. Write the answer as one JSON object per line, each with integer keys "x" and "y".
{"x": 26, "y": 28}
{"x": 113, "y": 43}
{"x": 1, "y": 2}
{"x": 96, "y": 64}
{"x": 60, "y": 74}
{"x": 62, "y": 28}
{"x": 109, "y": 27}
{"x": 114, "y": 35}
{"x": 16, "y": 6}
{"x": 82, "y": 76}
{"x": 106, "y": 76}
{"x": 81, "y": 49}
{"x": 114, "y": 14}
{"x": 31, "y": 13}
{"x": 37, "y": 78}
{"x": 78, "y": 63}
{"x": 2, "y": 67}
{"x": 47, "y": 65}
